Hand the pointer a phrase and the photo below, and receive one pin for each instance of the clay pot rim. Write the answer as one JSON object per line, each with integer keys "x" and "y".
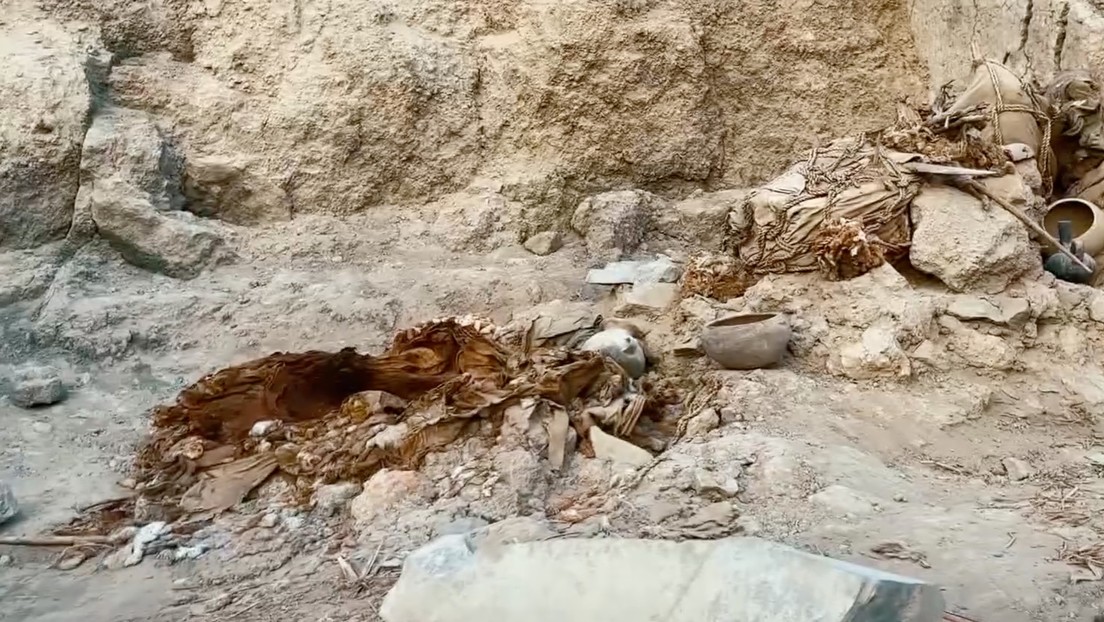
{"x": 749, "y": 319}
{"x": 1093, "y": 207}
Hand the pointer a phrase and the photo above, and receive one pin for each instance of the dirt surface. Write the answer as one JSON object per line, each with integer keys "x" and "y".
{"x": 822, "y": 462}
{"x": 186, "y": 186}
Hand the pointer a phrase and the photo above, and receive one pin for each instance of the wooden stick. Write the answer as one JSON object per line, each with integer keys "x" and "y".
{"x": 1031, "y": 224}
{"x": 56, "y": 540}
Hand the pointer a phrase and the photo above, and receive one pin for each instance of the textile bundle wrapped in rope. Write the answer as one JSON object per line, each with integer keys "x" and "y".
{"x": 853, "y": 180}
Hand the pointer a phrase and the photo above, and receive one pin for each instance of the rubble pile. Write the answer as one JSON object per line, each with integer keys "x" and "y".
{"x": 921, "y": 190}
{"x": 322, "y": 417}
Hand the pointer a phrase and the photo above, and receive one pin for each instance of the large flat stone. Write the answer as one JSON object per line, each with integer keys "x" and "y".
{"x": 624, "y": 580}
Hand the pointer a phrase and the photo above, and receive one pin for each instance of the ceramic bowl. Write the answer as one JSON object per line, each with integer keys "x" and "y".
{"x": 747, "y": 340}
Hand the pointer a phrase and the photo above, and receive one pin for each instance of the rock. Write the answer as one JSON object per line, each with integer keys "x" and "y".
{"x": 1015, "y": 312}
{"x": 707, "y": 483}
{"x": 619, "y": 345}
{"x": 330, "y": 498}
{"x": 46, "y": 103}
{"x": 877, "y": 354}
{"x": 479, "y": 221}
{"x": 6, "y": 560}
{"x": 36, "y": 386}
{"x": 978, "y": 349}
{"x": 690, "y": 348}
{"x": 966, "y": 245}
{"x": 973, "y": 308}
{"x": 544, "y": 243}
{"x": 627, "y": 579}
{"x": 700, "y": 222}
{"x": 127, "y": 145}
{"x": 262, "y": 428}
{"x": 614, "y": 223}
{"x": 1017, "y": 469}
{"x": 388, "y": 490}
{"x": 619, "y": 452}
{"x": 926, "y": 353}
{"x": 9, "y": 507}
{"x": 176, "y": 244}
{"x": 650, "y": 297}
{"x": 126, "y": 152}
{"x": 661, "y": 270}
{"x": 702, "y": 423}
{"x": 1096, "y": 308}
{"x": 28, "y": 273}
{"x": 224, "y": 188}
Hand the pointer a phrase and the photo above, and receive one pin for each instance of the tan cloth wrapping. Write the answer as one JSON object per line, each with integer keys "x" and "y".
{"x": 849, "y": 179}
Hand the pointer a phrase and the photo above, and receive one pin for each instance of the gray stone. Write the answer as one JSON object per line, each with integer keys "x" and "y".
{"x": 968, "y": 247}
{"x": 331, "y": 498}
{"x": 701, "y": 221}
{"x": 660, "y": 270}
{"x": 1017, "y": 469}
{"x": 177, "y": 244}
{"x": 223, "y": 188}
{"x": 126, "y": 144}
{"x": 652, "y": 296}
{"x": 974, "y": 308}
{"x": 9, "y": 507}
{"x": 1015, "y": 312}
{"x": 702, "y": 423}
{"x": 46, "y": 103}
{"x": 978, "y": 349}
{"x": 448, "y": 580}
{"x": 615, "y": 223}
{"x": 926, "y": 353}
{"x": 28, "y": 273}
{"x": 1096, "y": 308}
{"x": 125, "y": 151}
{"x": 387, "y": 492}
{"x": 544, "y": 243}
{"x": 708, "y": 483}
{"x": 36, "y": 386}
{"x": 689, "y": 348}
{"x": 876, "y": 354}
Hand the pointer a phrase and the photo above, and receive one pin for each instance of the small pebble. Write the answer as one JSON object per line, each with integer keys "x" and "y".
{"x": 899, "y": 498}
{"x": 6, "y": 560}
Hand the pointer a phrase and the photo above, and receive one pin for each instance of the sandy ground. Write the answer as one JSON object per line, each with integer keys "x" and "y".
{"x": 830, "y": 465}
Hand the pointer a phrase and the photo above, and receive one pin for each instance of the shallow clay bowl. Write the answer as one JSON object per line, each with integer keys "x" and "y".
{"x": 746, "y": 340}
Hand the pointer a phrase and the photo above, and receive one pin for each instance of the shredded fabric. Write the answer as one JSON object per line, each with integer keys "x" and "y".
{"x": 344, "y": 415}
